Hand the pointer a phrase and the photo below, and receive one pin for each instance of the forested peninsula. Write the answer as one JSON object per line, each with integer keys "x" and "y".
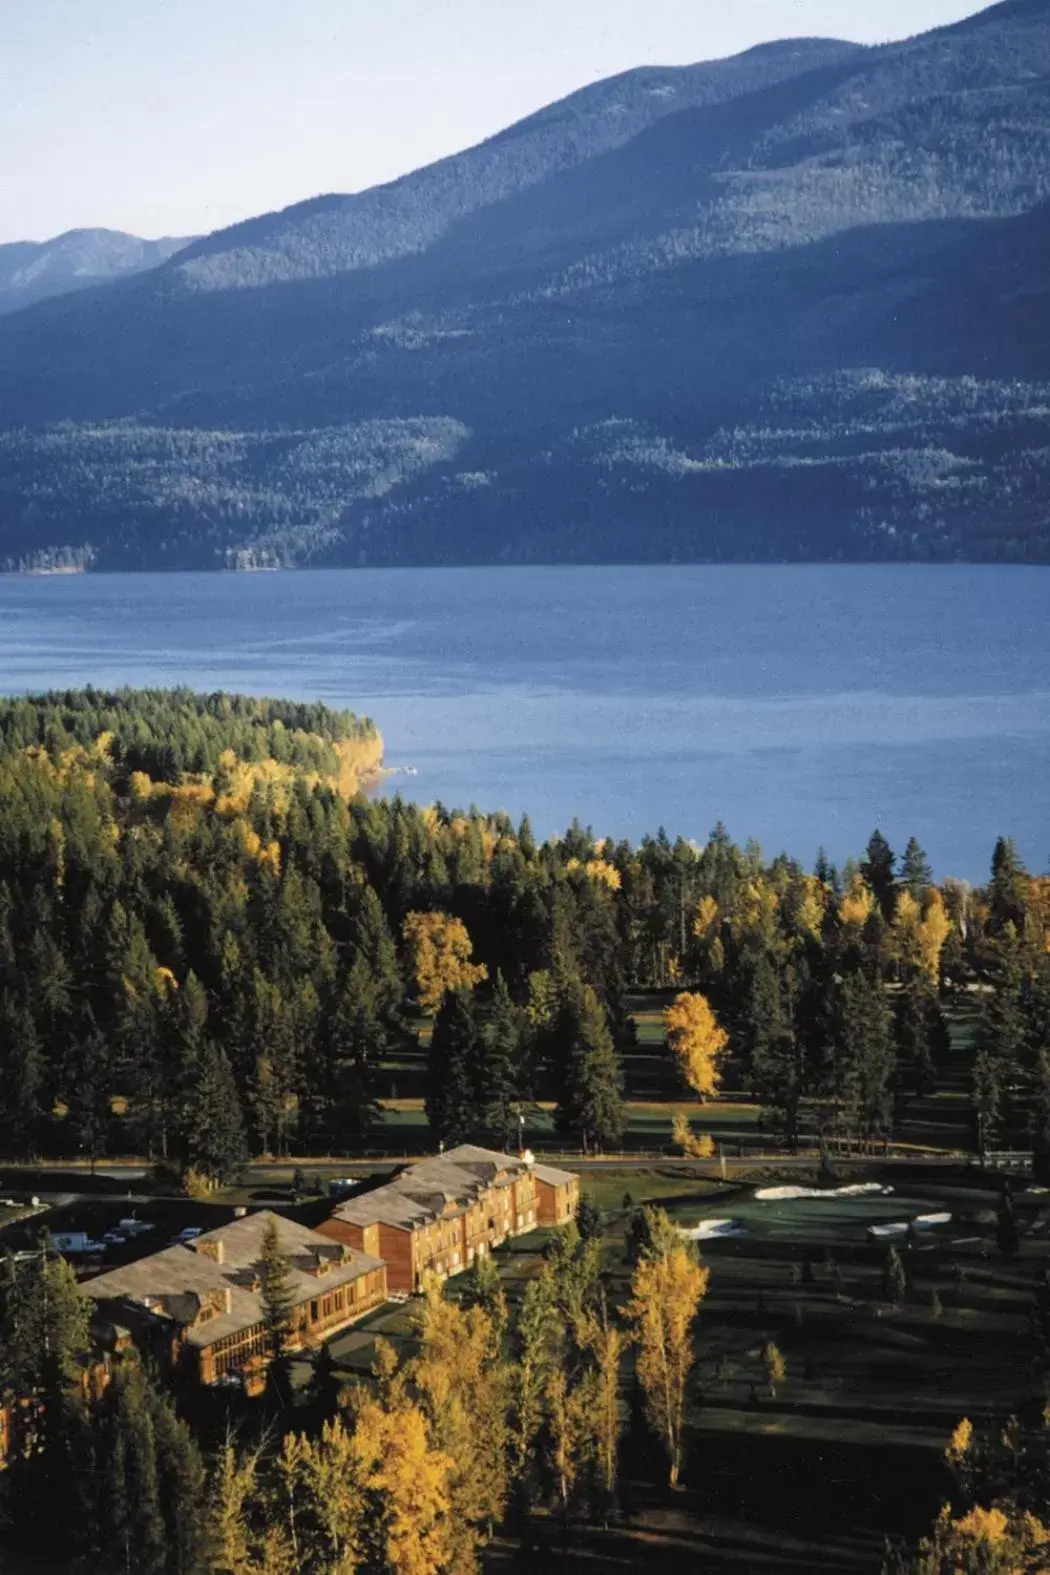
{"x": 194, "y": 896}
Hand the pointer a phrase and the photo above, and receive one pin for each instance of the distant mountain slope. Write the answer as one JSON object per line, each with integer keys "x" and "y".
{"x": 35, "y": 270}
{"x": 795, "y": 304}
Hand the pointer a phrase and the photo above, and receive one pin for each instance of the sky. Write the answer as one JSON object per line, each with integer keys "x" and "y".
{"x": 174, "y": 117}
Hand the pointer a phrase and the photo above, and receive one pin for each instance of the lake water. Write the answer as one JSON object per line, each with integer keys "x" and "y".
{"x": 800, "y": 705}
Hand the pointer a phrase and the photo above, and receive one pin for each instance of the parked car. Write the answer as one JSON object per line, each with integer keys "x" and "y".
{"x": 134, "y": 1227}
{"x": 185, "y": 1236}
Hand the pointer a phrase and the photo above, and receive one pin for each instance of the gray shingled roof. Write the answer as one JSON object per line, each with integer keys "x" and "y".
{"x": 173, "y": 1283}
{"x": 553, "y": 1176}
{"x": 423, "y": 1191}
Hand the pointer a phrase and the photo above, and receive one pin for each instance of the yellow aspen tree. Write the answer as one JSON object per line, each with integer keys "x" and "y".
{"x": 570, "y": 1430}
{"x": 811, "y": 907}
{"x": 463, "y": 1384}
{"x": 856, "y": 904}
{"x": 239, "y": 1540}
{"x": 603, "y": 873}
{"x": 694, "y": 1145}
{"x": 666, "y": 1292}
{"x": 754, "y": 911}
{"x": 707, "y": 923}
{"x": 607, "y": 1343}
{"x": 904, "y": 934}
{"x": 934, "y": 929}
{"x": 409, "y": 1483}
{"x": 440, "y": 948}
{"x": 233, "y": 1486}
{"x": 320, "y": 1483}
{"x": 919, "y": 934}
{"x": 775, "y": 1366}
{"x": 697, "y": 1042}
{"x": 986, "y": 1541}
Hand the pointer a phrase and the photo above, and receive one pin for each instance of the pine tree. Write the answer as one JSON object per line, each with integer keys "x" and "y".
{"x": 21, "y": 1082}
{"x": 88, "y": 1097}
{"x": 526, "y": 840}
{"x": 498, "y": 1091}
{"x": 1008, "y": 891}
{"x": 277, "y": 1298}
{"x": 450, "y": 1095}
{"x": 916, "y": 875}
{"x": 534, "y": 1350}
{"x": 921, "y": 1038}
{"x": 44, "y": 1341}
{"x": 776, "y": 1049}
{"x": 214, "y": 1144}
{"x": 864, "y": 1058}
{"x": 1001, "y": 1046}
{"x": 877, "y": 867}
{"x": 132, "y": 1520}
{"x": 590, "y": 1101}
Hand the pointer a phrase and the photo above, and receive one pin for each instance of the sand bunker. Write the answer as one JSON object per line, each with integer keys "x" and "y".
{"x": 709, "y": 1230}
{"x": 860, "y": 1189}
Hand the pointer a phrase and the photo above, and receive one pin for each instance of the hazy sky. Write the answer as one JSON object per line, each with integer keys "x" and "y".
{"x": 178, "y": 116}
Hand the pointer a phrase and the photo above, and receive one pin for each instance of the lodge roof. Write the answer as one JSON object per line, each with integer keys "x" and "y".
{"x": 553, "y": 1176}
{"x": 179, "y": 1283}
{"x": 423, "y": 1192}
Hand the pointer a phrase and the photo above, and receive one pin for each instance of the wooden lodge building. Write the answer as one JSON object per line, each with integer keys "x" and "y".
{"x": 557, "y": 1194}
{"x": 200, "y": 1305}
{"x": 199, "y": 1308}
{"x": 437, "y": 1216}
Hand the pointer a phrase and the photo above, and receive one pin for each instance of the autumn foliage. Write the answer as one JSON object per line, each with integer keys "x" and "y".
{"x": 440, "y": 948}
{"x": 697, "y": 1042}
{"x": 667, "y": 1288}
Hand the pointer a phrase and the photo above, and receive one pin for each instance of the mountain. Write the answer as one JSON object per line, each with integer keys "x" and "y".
{"x": 791, "y": 305}
{"x": 35, "y": 270}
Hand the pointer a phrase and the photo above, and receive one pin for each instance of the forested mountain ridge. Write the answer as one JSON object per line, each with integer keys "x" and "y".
{"x": 36, "y": 270}
{"x": 792, "y": 305}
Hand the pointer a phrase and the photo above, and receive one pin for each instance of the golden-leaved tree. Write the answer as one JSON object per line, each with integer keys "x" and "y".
{"x": 464, "y": 1388}
{"x": 440, "y": 949}
{"x": 694, "y": 1145}
{"x": 408, "y": 1484}
{"x": 985, "y": 1542}
{"x": 667, "y": 1287}
{"x": 697, "y": 1041}
{"x": 856, "y": 904}
{"x": 919, "y": 933}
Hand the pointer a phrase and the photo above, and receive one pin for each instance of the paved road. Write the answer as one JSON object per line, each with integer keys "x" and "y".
{"x": 280, "y": 1171}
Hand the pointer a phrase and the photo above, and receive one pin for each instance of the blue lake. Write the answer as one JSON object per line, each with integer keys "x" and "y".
{"x": 800, "y": 705}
